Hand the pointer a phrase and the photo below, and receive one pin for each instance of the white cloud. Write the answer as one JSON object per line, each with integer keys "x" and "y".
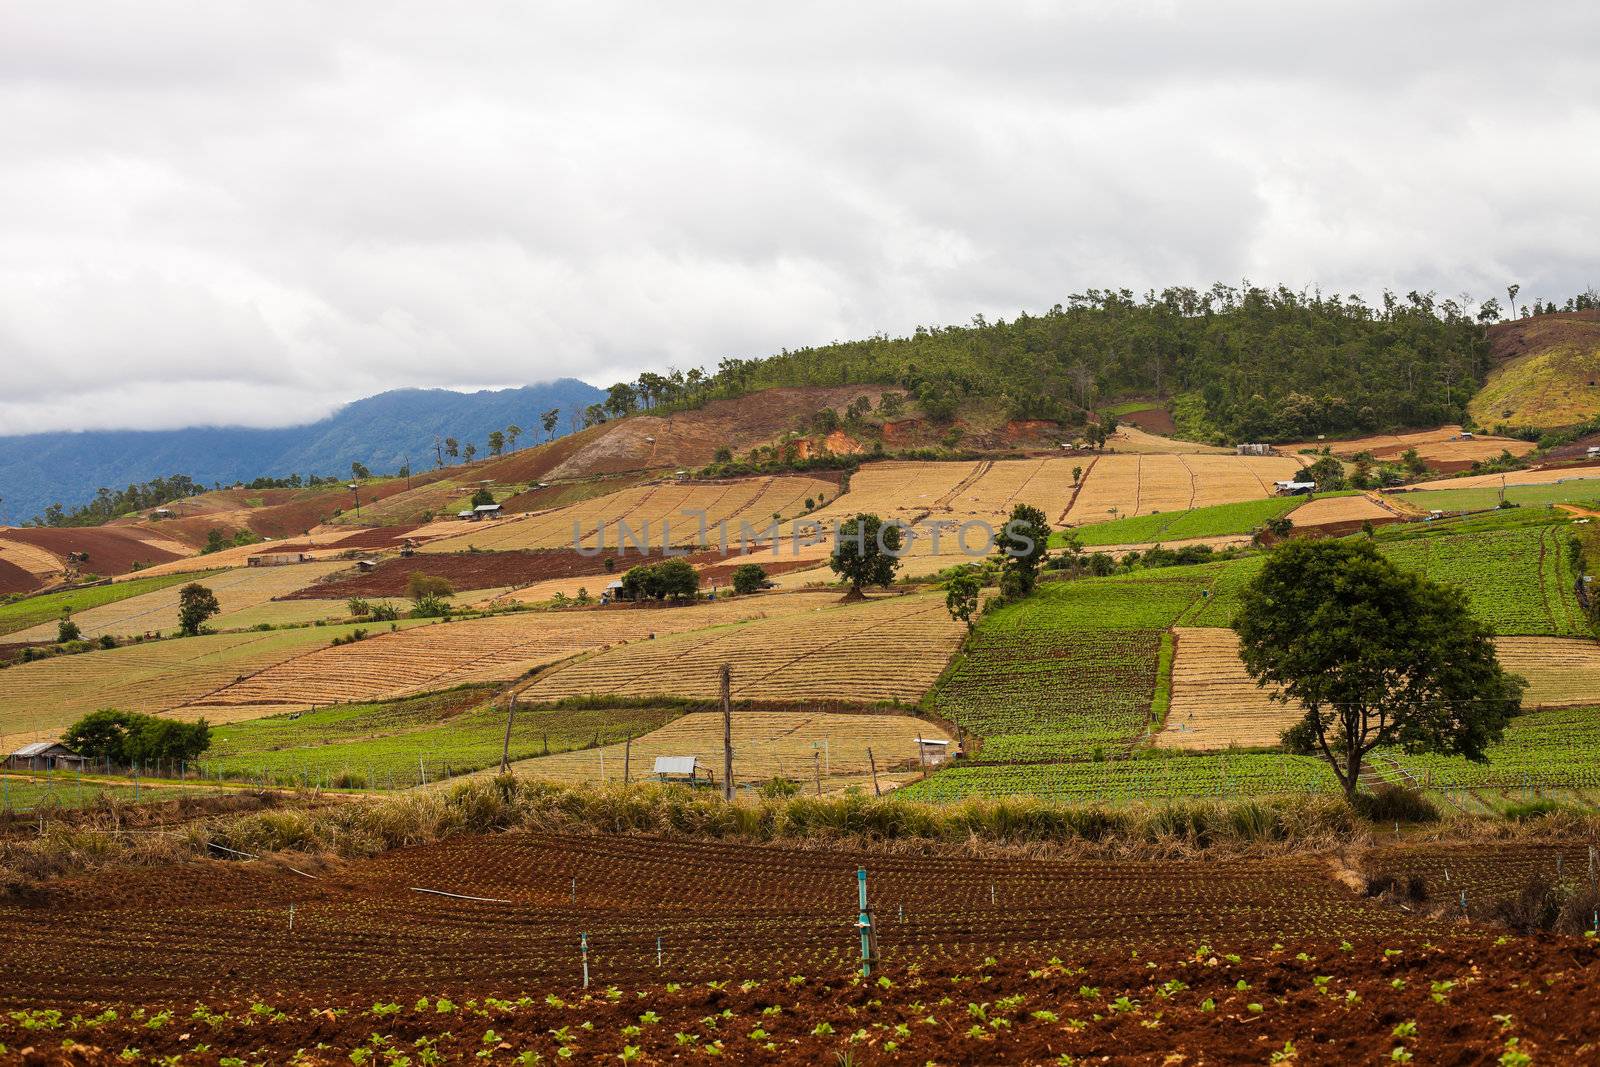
{"x": 234, "y": 212}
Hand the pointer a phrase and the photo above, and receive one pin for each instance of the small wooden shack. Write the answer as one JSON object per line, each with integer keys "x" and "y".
{"x": 44, "y": 756}
{"x": 677, "y": 769}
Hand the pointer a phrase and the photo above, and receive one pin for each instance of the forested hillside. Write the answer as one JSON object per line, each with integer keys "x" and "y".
{"x": 1254, "y": 363}
{"x": 1237, "y": 363}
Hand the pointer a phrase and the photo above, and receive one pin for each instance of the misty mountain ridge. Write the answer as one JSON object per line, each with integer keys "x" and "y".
{"x": 383, "y": 432}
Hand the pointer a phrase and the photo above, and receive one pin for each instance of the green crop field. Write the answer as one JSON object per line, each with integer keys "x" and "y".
{"x": 393, "y": 744}
{"x": 1572, "y": 491}
{"x": 1046, "y": 693}
{"x": 1559, "y": 748}
{"x": 1217, "y": 521}
{"x": 1070, "y": 670}
{"x": 1132, "y": 780}
{"x": 1518, "y": 580}
{"x": 48, "y": 607}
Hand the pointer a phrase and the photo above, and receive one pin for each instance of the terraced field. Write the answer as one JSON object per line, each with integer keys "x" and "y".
{"x": 439, "y": 655}
{"x": 801, "y": 746}
{"x": 748, "y": 500}
{"x": 888, "y": 648}
{"x": 238, "y": 591}
{"x": 413, "y": 741}
{"x": 1070, "y": 671}
{"x": 1579, "y": 487}
{"x": 1215, "y": 704}
{"x": 37, "y": 615}
{"x": 38, "y": 700}
{"x": 1129, "y": 485}
{"x": 1130, "y": 781}
{"x": 1167, "y": 526}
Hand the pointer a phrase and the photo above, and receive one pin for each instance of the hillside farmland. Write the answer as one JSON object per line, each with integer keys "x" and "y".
{"x": 888, "y": 648}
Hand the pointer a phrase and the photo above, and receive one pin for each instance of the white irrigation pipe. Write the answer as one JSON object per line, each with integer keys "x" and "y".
{"x": 459, "y": 896}
{"x": 253, "y": 856}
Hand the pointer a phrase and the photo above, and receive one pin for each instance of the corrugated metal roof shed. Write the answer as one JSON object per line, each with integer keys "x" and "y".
{"x": 675, "y": 765}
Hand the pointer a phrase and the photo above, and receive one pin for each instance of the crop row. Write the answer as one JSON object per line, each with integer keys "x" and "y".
{"x": 1051, "y": 694}
{"x": 1133, "y": 780}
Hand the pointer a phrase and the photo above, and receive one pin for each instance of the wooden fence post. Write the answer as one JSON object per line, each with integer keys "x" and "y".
{"x": 727, "y": 732}
{"x": 505, "y": 747}
{"x": 874, "y": 765}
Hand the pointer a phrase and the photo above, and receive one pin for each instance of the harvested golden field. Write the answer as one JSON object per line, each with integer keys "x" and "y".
{"x": 1215, "y": 704}
{"x": 1334, "y": 509}
{"x": 887, "y": 648}
{"x": 238, "y": 591}
{"x": 750, "y": 500}
{"x": 44, "y": 565}
{"x": 1122, "y": 485}
{"x": 38, "y": 700}
{"x": 439, "y": 655}
{"x": 1443, "y": 444}
{"x": 766, "y": 745}
{"x": 1561, "y": 672}
{"x": 896, "y": 489}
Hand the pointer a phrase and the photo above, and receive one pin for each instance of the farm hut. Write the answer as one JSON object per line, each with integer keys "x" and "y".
{"x": 1255, "y": 450}
{"x": 1294, "y": 488}
{"x": 366, "y": 565}
{"x": 161, "y": 513}
{"x": 44, "y": 756}
{"x": 677, "y": 769}
{"x": 932, "y": 751}
{"x": 466, "y": 514}
{"x": 278, "y": 559}
{"x": 486, "y": 511}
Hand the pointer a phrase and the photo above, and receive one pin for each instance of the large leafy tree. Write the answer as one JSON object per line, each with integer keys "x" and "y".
{"x": 1023, "y": 543}
{"x": 196, "y": 604}
{"x": 1376, "y": 656}
{"x": 867, "y": 552}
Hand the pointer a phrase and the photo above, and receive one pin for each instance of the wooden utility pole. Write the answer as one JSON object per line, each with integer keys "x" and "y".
{"x": 505, "y": 747}
{"x": 727, "y": 732}
{"x": 874, "y": 765}
{"x": 922, "y": 757}
{"x": 627, "y": 758}
{"x": 816, "y": 765}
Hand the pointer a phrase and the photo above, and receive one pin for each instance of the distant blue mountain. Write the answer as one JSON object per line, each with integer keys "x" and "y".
{"x": 383, "y": 432}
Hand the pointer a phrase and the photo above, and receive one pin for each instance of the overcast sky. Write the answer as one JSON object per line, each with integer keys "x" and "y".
{"x": 250, "y": 212}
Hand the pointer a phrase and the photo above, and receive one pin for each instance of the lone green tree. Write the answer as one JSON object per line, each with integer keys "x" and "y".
{"x": 548, "y": 422}
{"x": 1023, "y": 543}
{"x": 748, "y": 577}
{"x": 497, "y": 442}
{"x": 961, "y": 595}
{"x": 196, "y": 604}
{"x": 1376, "y": 656}
{"x": 67, "y": 630}
{"x": 866, "y": 552}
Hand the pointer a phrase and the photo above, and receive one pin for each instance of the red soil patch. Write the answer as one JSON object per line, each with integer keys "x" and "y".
{"x": 1274, "y": 971}
{"x": 112, "y": 549}
{"x": 469, "y": 570}
{"x": 1337, "y": 1005}
{"x": 13, "y": 579}
{"x": 1152, "y": 420}
{"x": 1508, "y": 340}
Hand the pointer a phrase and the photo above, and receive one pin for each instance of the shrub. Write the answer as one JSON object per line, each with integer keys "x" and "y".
{"x": 67, "y": 630}
{"x": 421, "y": 586}
{"x": 1393, "y": 803}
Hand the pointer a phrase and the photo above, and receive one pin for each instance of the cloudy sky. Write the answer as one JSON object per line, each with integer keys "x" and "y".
{"x": 248, "y": 213}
